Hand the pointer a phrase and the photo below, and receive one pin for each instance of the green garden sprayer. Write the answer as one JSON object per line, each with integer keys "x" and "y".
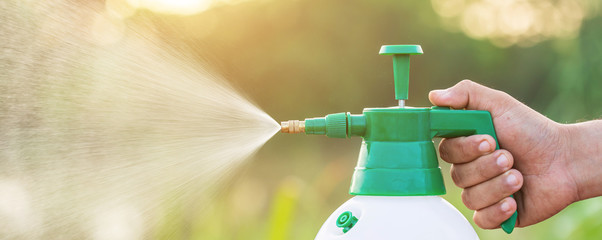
{"x": 397, "y": 181}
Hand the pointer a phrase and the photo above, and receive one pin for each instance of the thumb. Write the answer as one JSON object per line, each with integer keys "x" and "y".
{"x": 469, "y": 95}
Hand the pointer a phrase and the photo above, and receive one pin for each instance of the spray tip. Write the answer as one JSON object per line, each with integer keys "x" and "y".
{"x": 292, "y": 126}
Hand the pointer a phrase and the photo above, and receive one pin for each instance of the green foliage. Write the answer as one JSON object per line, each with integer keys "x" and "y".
{"x": 284, "y": 206}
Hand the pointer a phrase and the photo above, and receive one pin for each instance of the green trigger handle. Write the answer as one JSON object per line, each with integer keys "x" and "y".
{"x": 448, "y": 123}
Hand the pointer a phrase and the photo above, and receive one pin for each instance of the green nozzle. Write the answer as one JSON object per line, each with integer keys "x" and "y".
{"x": 333, "y": 125}
{"x": 401, "y": 66}
{"x": 336, "y": 125}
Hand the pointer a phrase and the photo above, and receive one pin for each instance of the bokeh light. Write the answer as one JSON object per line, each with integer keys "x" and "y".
{"x": 514, "y": 22}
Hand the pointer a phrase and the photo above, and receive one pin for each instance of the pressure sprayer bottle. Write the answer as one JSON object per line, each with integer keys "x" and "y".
{"x": 397, "y": 181}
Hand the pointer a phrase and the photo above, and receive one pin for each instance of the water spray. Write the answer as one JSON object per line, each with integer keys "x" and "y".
{"x": 397, "y": 181}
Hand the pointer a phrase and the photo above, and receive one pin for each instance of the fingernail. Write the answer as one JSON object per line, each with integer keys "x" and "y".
{"x": 484, "y": 146}
{"x": 502, "y": 161}
{"x": 512, "y": 180}
{"x": 505, "y": 206}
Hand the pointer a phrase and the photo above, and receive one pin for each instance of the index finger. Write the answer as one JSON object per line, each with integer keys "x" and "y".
{"x": 465, "y": 149}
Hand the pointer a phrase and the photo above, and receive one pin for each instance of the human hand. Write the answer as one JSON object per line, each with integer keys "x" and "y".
{"x": 533, "y": 164}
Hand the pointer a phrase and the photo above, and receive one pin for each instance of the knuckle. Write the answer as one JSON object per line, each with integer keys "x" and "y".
{"x": 443, "y": 152}
{"x": 466, "y": 200}
{"x": 456, "y": 177}
{"x": 465, "y": 82}
{"x": 485, "y": 224}
{"x": 485, "y": 219}
{"x": 478, "y": 220}
{"x": 450, "y": 149}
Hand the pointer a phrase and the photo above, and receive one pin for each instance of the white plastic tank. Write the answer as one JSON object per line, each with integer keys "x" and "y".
{"x": 396, "y": 217}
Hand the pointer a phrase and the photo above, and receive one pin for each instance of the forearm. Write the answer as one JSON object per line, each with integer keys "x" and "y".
{"x": 584, "y": 157}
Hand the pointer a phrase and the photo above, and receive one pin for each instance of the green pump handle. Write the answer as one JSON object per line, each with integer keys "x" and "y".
{"x": 401, "y": 66}
{"x": 448, "y": 123}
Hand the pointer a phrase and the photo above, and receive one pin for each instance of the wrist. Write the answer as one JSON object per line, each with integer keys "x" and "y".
{"x": 584, "y": 156}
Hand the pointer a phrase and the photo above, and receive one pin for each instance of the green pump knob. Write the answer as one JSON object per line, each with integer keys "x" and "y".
{"x": 401, "y": 66}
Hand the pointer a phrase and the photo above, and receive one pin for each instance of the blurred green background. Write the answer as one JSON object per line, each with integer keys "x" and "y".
{"x": 298, "y": 59}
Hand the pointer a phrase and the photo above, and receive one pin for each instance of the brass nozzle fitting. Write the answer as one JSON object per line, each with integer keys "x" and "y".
{"x": 292, "y": 126}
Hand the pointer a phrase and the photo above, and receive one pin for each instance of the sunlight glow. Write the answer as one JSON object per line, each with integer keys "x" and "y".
{"x": 181, "y": 7}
